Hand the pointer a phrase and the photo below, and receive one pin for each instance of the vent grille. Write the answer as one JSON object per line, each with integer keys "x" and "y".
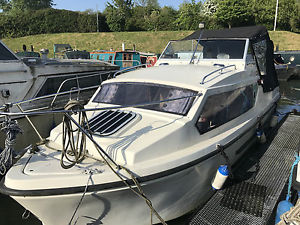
{"x": 109, "y": 122}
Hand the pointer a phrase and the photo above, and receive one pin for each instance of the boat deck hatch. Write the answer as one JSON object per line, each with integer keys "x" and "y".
{"x": 110, "y": 121}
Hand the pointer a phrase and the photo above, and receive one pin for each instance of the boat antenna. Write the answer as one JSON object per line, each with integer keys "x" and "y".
{"x": 201, "y": 27}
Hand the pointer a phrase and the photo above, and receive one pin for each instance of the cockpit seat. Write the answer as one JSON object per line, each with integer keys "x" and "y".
{"x": 223, "y": 56}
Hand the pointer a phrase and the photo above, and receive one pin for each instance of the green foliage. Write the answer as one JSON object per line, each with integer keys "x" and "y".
{"x": 144, "y": 41}
{"x": 288, "y": 14}
{"x": 15, "y": 6}
{"x": 48, "y": 21}
{"x": 20, "y": 17}
{"x": 234, "y": 13}
{"x": 189, "y": 16}
{"x": 118, "y": 13}
{"x": 167, "y": 17}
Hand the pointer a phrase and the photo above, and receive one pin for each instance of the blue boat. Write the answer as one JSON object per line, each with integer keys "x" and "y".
{"x": 125, "y": 59}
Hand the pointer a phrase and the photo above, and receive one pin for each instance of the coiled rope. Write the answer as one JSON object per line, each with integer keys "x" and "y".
{"x": 11, "y": 128}
{"x": 78, "y": 151}
{"x": 73, "y": 150}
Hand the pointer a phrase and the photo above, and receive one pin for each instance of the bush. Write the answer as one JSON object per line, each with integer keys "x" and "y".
{"x": 49, "y": 21}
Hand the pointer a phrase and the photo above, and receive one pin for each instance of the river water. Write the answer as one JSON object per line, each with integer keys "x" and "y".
{"x": 11, "y": 212}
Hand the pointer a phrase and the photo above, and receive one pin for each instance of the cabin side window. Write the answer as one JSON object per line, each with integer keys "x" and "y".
{"x": 110, "y": 59}
{"x": 223, "y": 107}
{"x": 260, "y": 50}
{"x": 5, "y": 54}
{"x": 52, "y": 84}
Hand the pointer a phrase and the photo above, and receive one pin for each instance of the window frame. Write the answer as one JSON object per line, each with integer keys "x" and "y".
{"x": 228, "y": 119}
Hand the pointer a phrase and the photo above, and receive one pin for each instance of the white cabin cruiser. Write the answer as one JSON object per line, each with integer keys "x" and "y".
{"x": 156, "y": 143}
{"x": 34, "y": 84}
{"x": 33, "y": 77}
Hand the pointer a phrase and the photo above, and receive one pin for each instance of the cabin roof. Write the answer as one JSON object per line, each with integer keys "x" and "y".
{"x": 184, "y": 76}
{"x": 253, "y": 33}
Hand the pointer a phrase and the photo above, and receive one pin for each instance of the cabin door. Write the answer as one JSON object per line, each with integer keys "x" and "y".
{"x": 127, "y": 60}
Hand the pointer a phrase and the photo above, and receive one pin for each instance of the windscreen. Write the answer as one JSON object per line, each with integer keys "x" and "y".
{"x": 144, "y": 93}
{"x": 206, "y": 49}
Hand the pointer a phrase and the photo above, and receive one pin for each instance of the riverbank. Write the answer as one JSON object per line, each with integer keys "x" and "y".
{"x": 143, "y": 41}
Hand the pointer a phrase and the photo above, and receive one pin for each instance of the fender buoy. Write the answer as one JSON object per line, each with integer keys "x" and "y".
{"x": 260, "y": 134}
{"x": 274, "y": 121}
{"x": 283, "y": 207}
{"x": 220, "y": 178}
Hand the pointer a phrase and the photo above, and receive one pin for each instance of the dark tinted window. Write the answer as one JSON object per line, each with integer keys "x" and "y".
{"x": 260, "y": 50}
{"x": 145, "y": 93}
{"x": 5, "y": 54}
{"x": 52, "y": 84}
{"x": 223, "y": 107}
{"x": 223, "y": 49}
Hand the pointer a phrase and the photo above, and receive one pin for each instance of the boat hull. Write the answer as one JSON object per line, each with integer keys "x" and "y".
{"x": 172, "y": 196}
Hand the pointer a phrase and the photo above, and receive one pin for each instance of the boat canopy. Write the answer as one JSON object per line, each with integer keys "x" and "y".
{"x": 253, "y": 33}
{"x": 261, "y": 47}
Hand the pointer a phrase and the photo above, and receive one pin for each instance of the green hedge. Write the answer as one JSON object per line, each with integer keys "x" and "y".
{"x": 49, "y": 21}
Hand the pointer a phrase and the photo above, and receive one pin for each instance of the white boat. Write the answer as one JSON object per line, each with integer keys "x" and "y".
{"x": 33, "y": 77}
{"x": 42, "y": 84}
{"x": 159, "y": 137}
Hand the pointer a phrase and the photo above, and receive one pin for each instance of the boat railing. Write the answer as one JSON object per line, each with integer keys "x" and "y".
{"x": 77, "y": 78}
{"x": 217, "y": 70}
{"x": 127, "y": 61}
{"x": 5, "y": 109}
{"x": 55, "y": 96}
{"x": 129, "y": 69}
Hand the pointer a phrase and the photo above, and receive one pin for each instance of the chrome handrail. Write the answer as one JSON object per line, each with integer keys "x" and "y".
{"x": 129, "y": 68}
{"x": 220, "y": 69}
{"x": 78, "y": 86}
{"x": 32, "y": 113}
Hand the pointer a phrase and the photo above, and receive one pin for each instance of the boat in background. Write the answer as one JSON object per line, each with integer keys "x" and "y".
{"x": 287, "y": 64}
{"x": 125, "y": 58}
{"x": 65, "y": 51}
{"x": 33, "y": 77}
{"x": 25, "y": 53}
{"x": 47, "y": 84}
{"x": 152, "y": 140}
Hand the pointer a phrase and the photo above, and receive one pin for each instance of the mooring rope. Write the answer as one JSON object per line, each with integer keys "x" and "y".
{"x": 139, "y": 192}
{"x": 222, "y": 151}
{"x": 81, "y": 199}
{"x": 73, "y": 151}
{"x": 11, "y": 128}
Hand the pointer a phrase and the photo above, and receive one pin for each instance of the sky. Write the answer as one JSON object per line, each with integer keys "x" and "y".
{"x": 82, "y": 5}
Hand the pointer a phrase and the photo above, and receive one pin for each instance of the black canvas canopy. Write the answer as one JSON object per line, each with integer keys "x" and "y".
{"x": 260, "y": 44}
{"x": 254, "y": 33}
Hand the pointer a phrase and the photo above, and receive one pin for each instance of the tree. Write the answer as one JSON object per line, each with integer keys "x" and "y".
{"x": 288, "y": 13}
{"x": 24, "y": 5}
{"x": 167, "y": 17}
{"x": 4, "y": 5}
{"x": 148, "y": 3}
{"x": 189, "y": 16}
{"x": 118, "y": 14}
{"x": 209, "y": 7}
{"x": 234, "y": 13}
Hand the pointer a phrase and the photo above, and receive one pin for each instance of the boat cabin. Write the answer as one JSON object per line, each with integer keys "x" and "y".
{"x": 125, "y": 59}
{"x": 242, "y": 47}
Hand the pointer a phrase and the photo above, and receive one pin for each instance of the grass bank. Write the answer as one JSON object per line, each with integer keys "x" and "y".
{"x": 144, "y": 41}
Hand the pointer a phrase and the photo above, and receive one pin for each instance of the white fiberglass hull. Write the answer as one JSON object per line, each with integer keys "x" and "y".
{"x": 172, "y": 196}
